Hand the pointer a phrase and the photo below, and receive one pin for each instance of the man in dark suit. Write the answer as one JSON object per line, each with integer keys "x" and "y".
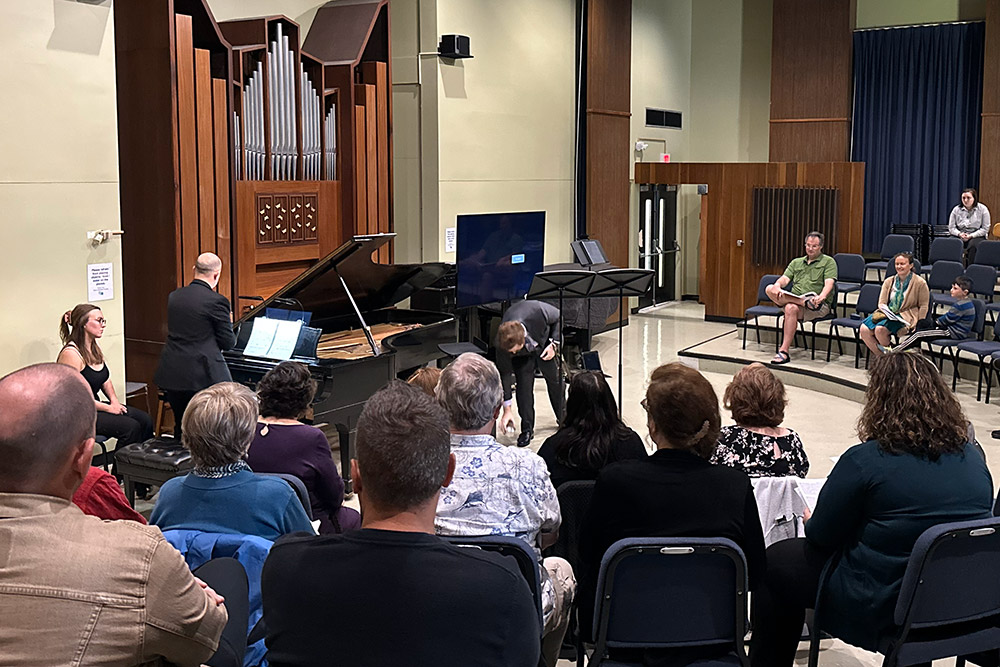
{"x": 528, "y": 338}
{"x": 199, "y": 327}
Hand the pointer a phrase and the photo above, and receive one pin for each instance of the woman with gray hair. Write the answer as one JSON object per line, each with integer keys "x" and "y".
{"x": 222, "y": 494}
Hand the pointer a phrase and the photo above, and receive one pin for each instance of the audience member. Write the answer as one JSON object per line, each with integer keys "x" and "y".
{"x": 425, "y": 378}
{"x": 810, "y": 296}
{"x": 915, "y": 469}
{"x": 80, "y": 329}
{"x": 222, "y": 494}
{"x": 592, "y": 433}
{"x": 100, "y": 495}
{"x": 906, "y": 296}
{"x": 393, "y": 593}
{"x": 758, "y": 444}
{"x": 970, "y": 221}
{"x": 283, "y": 444}
{"x": 75, "y": 589}
{"x": 501, "y": 490}
{"x": 675, "y": 492}
{"x": 957, "y": 323}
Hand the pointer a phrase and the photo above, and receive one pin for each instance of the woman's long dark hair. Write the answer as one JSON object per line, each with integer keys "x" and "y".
{"x": 591, "y": 424}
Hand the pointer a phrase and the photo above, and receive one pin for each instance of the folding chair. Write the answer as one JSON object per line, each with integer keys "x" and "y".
{"x": 663, "y": 593}
{"x": 850, "y": 273}
{"x": 574, "y": 501}
{"x": 832, "y": 315}
{"x": 988, "y": 254}
{"x": 943, "y": 275}
{"x": 297, "y": 485}
{"x": 949, "y": 249}
{"x": 951, "y": 344}
{"x": 949, "y": 598}
{"x": 757, "y": 311}
{"x": 892, "y": 245}
{"x": 867, "y": 304}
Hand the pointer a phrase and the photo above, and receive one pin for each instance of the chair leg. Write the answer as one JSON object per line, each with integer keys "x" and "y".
{"x": 746, "y": 323}
{"x": 989, "y": 380}
{"x": 814, "y": 342}
{"x": 829, "y": 342}
{"x": 979, "y": 377}
{"x": 954, "y": 367}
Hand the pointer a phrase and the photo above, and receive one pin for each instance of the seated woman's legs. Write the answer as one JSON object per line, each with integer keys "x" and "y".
{"x": 131, "y": 427}
{"x": 779, "y": 605}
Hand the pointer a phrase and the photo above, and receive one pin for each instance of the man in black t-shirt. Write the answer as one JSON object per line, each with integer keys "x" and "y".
{"x": 393, "y": 593}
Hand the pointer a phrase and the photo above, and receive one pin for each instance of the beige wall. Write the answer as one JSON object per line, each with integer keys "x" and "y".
{"x": 877, "y": 13}
{"x": 301, "y": 11}
{"x": 58, "y": 172}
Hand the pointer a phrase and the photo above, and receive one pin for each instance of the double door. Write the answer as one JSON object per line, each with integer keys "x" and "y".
{"x": 658, "y": 247}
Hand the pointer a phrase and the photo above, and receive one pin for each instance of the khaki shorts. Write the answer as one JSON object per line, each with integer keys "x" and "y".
{"x": 810, "y": 315}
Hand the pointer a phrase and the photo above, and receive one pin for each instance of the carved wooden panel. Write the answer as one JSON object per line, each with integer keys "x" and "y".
{"x": 265, "y": 215}
{"x": 286, "y": 218}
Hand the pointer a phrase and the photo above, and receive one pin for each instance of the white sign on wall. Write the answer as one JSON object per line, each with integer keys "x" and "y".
{"x": 450, "y": 237}
{"x": 100, "y": 282}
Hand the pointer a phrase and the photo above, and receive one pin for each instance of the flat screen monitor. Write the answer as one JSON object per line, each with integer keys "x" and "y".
{"x": 498, "y": 255}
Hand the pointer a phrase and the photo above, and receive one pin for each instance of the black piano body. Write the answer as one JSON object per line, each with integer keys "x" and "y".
{"x": 344, "y": 385}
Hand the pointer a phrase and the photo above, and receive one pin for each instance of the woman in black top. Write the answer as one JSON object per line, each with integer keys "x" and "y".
{"x": 80, "y": 330}
{"x": 592, "y": 433}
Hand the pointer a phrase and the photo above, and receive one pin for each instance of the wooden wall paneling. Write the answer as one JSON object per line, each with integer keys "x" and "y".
{"x": 205, "y": 125}
{"x": 246, "y": 233}
{"x": 811, "y": 80}
{"x": 376, "y": 74}
{"x": 365, "y": 96}
{"x": 360, "y": 171}
{"x": 333, "y": 230}
{"x": 187, "y": 141}
{"x": 280, "y": 220}
{"x": 223, "y": 194}
{"x": 339, "y": 79}
{"x": 989, "y": 156}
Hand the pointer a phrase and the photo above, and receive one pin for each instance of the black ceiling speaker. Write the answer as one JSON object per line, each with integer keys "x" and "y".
{"x": 454, "y": 46}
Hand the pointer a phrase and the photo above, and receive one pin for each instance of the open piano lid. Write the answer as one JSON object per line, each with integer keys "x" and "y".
{"x": 372, "y": 285}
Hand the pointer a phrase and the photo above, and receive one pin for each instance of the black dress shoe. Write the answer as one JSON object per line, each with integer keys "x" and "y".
{"x": 524, "y": 439}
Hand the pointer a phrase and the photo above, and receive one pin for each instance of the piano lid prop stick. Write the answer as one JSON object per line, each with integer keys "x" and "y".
{"x": 357, "y": 311}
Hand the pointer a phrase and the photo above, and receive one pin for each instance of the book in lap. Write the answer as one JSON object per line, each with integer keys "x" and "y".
{"x": 807, "y": 295}
{"x": 917, "y": 336}
{"x": 891, "y": 316}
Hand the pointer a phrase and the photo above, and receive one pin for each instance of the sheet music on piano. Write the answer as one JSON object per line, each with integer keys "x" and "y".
{"x": 273, "y": 339}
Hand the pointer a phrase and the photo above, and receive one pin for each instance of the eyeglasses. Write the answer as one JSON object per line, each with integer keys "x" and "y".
{"x": 101, "y": 321}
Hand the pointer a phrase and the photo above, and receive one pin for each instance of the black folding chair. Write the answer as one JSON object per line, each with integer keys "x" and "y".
{"x": 759, "y": 310}
{"x": 892, "y": 245}
{"x": 867, "y": 304}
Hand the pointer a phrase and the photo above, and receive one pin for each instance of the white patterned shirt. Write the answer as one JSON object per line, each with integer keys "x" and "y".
{"x": 499, "y": 490}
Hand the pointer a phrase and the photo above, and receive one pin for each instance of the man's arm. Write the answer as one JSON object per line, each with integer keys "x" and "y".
{"x": 222, "y": 323}
{"x": 551, "y": 315}
{"x": 183, "y": 623}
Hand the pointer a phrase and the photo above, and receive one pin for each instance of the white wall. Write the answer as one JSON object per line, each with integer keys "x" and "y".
{"x": 58, "y": 173}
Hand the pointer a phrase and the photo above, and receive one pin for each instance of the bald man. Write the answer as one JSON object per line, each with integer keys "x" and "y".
{"x": 199, "y": 328}
{"x": 75, "y": 589}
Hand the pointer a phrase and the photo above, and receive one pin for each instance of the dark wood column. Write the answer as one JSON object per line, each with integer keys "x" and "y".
{"x": 811, "y": 80}
{"x": 989, "y": 156}
{"x": 608, "y": 103}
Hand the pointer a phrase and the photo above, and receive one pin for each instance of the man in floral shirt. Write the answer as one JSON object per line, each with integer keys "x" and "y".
{"x": 500, "y": 490}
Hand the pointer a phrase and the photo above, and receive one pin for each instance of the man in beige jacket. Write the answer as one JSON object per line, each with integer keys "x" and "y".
{"x": 76, "y": 590}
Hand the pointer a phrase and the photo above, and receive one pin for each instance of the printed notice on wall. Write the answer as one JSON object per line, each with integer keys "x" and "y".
{"x": 100, "y": 282}
{"x": 450, "y": 237}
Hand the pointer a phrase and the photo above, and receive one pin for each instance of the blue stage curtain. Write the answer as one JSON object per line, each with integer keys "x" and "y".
{"x": 917, "y": 101}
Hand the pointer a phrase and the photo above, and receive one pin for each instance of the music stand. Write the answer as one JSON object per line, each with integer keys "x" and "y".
{"x": 621, "y": 283}
{"x": 548, "y": 284}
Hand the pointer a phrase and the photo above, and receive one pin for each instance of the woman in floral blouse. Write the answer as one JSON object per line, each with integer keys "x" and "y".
{"x": 758, "y": 444}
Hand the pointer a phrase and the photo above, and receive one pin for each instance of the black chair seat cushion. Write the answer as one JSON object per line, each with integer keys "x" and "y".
{"x": 156, "y": 454}
{"x": 764, "y": 311}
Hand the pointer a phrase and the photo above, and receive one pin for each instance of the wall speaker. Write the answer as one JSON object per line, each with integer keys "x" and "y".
{"x": 454, "y": 46}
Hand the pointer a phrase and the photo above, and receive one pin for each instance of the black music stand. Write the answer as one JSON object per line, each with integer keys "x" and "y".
{"x": 621, "y": 283}
{"x": 548, "y": 284}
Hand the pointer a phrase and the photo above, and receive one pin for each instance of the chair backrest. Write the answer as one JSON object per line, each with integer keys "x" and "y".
{"x": 949, "y": 248}
{"x": 527, "y": 561}
{"x": 980, "y": 324}
{"x": 988, "y": 253}
{"x": 943, "y": 274}
{"x": 850, "y": 267}
{"x": 299, "y": 487}
{"x": 984, "y": 279}
{"x": 670, "y": 592}
{"x": 895, "y": 244}
{"x": 765, "y": 281}
{"x": 951, "y": 576}
{"x": 574, "y": 501}
{"x": 868, "y": 298}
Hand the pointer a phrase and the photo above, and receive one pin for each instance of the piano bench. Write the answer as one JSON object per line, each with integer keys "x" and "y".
{"x": 152, "y": 462}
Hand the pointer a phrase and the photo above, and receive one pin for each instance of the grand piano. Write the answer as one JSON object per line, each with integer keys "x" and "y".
{"x": 357, "y": 340}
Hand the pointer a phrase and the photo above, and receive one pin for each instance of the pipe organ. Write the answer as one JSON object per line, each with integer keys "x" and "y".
{"x": 235, "y": 139}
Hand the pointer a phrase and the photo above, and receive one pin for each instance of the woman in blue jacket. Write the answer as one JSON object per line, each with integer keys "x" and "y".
{"x": 915, "y": 469}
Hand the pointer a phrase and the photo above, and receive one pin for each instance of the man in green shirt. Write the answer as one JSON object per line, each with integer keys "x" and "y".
{"x": 811, "y": 295}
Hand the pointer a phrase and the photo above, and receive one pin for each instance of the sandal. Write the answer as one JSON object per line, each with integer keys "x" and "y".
{"x": 781, "y": 358}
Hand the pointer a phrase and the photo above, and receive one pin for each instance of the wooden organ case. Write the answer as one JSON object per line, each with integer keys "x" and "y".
{"x": 235, "y": 140}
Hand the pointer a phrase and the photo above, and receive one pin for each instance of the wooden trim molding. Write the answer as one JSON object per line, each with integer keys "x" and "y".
{"x": 810, "y": 120}
{"x": 609, "y": 112}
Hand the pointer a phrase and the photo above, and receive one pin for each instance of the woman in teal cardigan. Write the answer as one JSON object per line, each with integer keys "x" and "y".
{"x": 914, "y": 470}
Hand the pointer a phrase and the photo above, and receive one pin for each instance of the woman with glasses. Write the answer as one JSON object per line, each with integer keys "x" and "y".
{"x": 80, "y": 329}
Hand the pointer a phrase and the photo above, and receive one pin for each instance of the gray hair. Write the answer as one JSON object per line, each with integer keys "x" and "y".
{"x": 818, "y": 235}
{"x": 403, "y": 447}
{"x": 219, "y": 424}
{"x": 470, "y": 391}
{"x": 206, "y": 264}
{"x": 46, "y": 411}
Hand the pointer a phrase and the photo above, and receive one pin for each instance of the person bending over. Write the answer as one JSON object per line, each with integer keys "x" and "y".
{"x": 500, "y": 490}
{"x": 393, "y": 593}
{"x": 76, "y": 590}
{"x": 528, "y": 338}
{"x": 814, "y": 274}
{"x": 283, "y": 444}
{"x": 592, "y": 434}
{"x": 758, "y": 444}
{"x": 914, "y": 469}
{"x": 222, "y": 494}
{"x": 906, "y": 296}
{"x": 675, "y": 492}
